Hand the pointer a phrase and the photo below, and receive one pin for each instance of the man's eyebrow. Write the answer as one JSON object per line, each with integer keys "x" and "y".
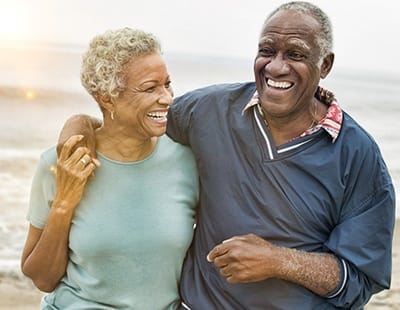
{"x": 265, "y": 40}
{"x": 299, "y": 43}
{"x": 292, "y": 41}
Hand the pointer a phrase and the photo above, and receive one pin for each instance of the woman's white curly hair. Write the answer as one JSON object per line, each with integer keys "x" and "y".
{"x": 103, "y": 65}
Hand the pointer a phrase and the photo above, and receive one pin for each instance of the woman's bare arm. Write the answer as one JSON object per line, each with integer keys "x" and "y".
{"x": 45, "y": 255}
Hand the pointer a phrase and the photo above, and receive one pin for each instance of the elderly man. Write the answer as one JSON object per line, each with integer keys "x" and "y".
{"x": 297, "y": 205}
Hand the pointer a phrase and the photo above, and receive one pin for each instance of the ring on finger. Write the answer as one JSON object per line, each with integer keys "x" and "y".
{"x": 83, "y": 161}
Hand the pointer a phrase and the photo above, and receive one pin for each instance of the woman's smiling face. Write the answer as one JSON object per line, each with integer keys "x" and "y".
{"x": 143, "y": 106}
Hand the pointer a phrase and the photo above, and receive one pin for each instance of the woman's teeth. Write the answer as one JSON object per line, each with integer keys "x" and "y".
{"x": 157, "y": 115}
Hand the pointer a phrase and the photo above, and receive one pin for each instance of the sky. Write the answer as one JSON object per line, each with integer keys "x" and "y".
{"x": 366, "y": 33}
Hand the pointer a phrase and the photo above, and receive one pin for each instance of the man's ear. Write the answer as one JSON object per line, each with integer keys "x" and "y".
{"x": 327, "y": 65}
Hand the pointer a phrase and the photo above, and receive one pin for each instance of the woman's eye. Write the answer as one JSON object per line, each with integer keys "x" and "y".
{"x": 150, "y": 89}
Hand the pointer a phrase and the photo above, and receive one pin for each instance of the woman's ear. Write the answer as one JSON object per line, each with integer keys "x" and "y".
{"x": 327, "y": 65}
{"x": 105, "y": 102}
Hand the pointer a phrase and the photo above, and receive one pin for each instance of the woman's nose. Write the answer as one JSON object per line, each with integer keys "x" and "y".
{"x": 166, "y": 97}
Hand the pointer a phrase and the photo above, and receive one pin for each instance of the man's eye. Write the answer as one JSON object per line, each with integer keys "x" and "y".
{"x": 296, "y": 56}
{"x": 168, "y": 84}
{"x": 267, "y": 52}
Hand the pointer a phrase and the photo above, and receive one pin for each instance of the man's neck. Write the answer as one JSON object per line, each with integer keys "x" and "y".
{"x": 284, "y": 130}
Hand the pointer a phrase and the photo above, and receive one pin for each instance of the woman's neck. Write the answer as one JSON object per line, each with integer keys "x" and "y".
{"x": 122, "y": 148}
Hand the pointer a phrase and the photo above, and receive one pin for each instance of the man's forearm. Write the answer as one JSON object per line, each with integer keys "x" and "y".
{"x": 318, "y": 272}
{"x": 80, "y": 124}
{"x": 250, "y": 258}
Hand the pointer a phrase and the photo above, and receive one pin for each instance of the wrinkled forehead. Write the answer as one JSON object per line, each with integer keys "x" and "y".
{"x": 291, "y": 22}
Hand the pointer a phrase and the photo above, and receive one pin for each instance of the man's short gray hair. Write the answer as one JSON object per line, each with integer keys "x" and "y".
{"x": 104, "y": 63}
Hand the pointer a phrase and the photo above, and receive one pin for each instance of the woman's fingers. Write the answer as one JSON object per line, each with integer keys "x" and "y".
{"x": 68, "y": 147}
{"x": 89, "y": 170}
{"x": 85, "y": 160}
{"x": 77, "y": 160}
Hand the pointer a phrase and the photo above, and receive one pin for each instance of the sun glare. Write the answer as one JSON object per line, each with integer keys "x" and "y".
{"x": 30, "y": 94}
{"x": 13, "y": 20}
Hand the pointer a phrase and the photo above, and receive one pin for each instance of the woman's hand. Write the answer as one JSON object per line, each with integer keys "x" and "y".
{"x": 75, "y": 165}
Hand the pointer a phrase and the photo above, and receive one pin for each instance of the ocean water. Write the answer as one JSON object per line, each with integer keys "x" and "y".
{"x": 40, "y": 89}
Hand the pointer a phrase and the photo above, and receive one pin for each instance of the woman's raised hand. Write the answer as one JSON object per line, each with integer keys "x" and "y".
{"x": 74, "y": 168}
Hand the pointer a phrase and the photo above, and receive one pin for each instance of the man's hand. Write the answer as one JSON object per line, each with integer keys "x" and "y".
{"x": 247, "y": 258}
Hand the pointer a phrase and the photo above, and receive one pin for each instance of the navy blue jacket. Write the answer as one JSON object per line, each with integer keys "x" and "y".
{"x": 309, "y": 194}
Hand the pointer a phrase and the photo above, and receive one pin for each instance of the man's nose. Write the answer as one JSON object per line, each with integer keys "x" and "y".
{"x": 277, "y": 66}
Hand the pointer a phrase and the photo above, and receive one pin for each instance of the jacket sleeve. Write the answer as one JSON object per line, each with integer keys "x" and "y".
{"x": 363, "y": 238}
{"x": 180, "y": 115}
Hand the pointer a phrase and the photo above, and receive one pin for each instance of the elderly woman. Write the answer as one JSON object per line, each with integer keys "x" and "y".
{"x": 118, "y": 240}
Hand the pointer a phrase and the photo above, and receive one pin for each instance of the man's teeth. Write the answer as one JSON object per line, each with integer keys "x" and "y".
{"x": 157, "y": 115}
{"x": 283, "y": 85}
